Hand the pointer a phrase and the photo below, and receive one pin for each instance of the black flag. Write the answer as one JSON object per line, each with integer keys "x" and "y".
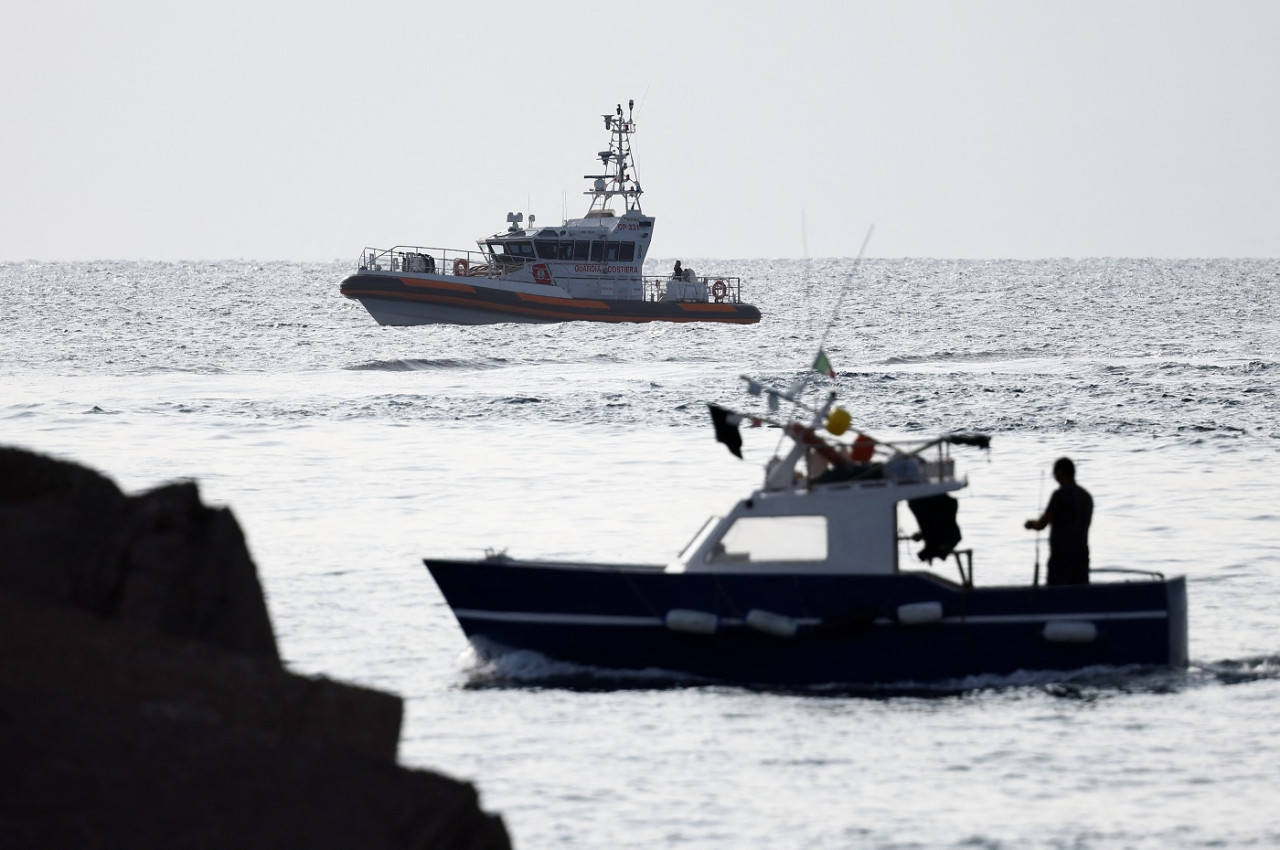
{"x": 726, "y": 422}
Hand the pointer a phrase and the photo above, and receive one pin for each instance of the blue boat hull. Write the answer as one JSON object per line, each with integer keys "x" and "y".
{"x": 848, "y": 629}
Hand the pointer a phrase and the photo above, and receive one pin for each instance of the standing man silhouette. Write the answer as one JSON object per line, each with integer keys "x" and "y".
{"x": 1067, "y": 516}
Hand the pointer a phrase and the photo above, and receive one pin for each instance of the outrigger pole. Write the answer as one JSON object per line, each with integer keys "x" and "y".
{"x": 835, "y": 314}
{"x": 731, "y": 419}
{"x": 755, "y": 388}
{"x": 793, "y": 394}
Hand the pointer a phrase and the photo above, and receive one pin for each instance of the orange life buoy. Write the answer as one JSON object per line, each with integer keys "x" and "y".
{"x": 718, "y": 289}
{"x": 461, "y": 267}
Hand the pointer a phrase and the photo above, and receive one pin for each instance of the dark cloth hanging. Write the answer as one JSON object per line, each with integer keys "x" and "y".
{"x": 936, "y": 516}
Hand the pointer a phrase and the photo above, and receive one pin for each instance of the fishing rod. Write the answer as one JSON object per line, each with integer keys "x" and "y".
{"x": 1035, "y": 581}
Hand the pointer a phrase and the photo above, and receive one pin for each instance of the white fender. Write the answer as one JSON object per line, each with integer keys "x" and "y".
{"x": 692, "y": 622}
{"x": 915, "y": 613}
{"x": 1070, "y": 631}
{"x": 770, "y": 623}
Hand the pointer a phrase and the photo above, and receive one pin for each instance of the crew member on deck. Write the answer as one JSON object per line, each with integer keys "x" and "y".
{"x": 1068, "y": 515}
{"x": 678, "y": 274}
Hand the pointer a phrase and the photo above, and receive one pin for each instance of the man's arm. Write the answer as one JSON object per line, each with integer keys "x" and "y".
{"x": 1041, "y": 523}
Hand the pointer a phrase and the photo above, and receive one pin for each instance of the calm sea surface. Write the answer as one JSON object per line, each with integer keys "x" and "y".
{"x": 349, "y": 451}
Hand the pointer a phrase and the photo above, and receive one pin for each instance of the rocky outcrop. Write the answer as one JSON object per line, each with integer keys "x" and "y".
{"x": 142, "y": 699}
{"x": 160, "y": 559}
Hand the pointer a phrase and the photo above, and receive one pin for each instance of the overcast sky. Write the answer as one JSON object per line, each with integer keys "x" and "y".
{"x": 267, "y": 129}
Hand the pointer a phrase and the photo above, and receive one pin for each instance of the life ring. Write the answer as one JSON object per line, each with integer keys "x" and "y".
{"x": 719, "y": 290}
{"x": 461, "y": 267}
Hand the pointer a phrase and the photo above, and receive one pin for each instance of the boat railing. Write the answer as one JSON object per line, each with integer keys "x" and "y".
{"x": 703, "y": 288}
{"x": 938, "y": 470}
{"x": 1154, "y": 575}
{"x": 862, "y": 461}
{"x": 417, "y": 258}
{"x": 463, "y": 263}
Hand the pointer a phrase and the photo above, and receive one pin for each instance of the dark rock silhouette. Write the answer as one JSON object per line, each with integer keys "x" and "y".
{"x": 161, "y": 559}
{"x": 142, "y": 699}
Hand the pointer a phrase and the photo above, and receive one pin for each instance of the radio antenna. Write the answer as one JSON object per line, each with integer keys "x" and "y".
{"x": 835, "y": 314}
{"x": 644, "y": 96}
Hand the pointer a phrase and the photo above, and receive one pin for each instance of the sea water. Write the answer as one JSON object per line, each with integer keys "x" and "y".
{"x": 348, "y": 452}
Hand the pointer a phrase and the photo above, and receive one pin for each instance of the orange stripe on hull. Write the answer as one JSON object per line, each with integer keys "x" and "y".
{"x": 560, "y": 302}
{"x": 437, "y": 284}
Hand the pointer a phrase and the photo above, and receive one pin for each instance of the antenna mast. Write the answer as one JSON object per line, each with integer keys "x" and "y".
{"x": 619, "y": 177}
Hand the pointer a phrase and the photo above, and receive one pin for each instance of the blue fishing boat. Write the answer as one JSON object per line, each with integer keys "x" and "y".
{"x": 805, "y": 582}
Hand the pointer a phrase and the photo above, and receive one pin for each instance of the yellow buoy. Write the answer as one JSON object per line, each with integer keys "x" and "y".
{"x": 838, "y": 421}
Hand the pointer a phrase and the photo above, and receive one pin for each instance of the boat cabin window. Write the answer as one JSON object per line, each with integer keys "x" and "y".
{"x": 606, "y": 252}
{"x": 581, "y": 251}
{"x": 515, "y": 249}
{"x": 549, "y": 249}
{"x": 772, "y": 538}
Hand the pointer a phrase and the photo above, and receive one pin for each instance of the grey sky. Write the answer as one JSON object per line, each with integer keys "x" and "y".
{"x": 287, "y": 130}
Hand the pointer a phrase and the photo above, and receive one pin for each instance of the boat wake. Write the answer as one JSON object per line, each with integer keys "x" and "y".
{"x": 516, "y": 669}
{"x": 527, "y": 669}
{"x": 955, "y": 357}
{"x": 423, "y": 365}
{"x": 1239, "y": 671}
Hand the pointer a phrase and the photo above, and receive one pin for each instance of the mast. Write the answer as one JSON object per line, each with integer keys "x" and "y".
{"x": 619, "y": 177}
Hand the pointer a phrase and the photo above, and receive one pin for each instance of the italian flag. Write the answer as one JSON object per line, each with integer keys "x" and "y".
{"x": 822, "y": 365}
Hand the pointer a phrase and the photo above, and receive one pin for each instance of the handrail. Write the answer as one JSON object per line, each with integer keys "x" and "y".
{"x": 718, "y": 289}
{"x": 411, "y": 258}
{"x": 961, "y": 556}
{"x": 1154, "y": 575}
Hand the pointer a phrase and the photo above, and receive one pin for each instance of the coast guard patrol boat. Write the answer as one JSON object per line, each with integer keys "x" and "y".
{"x": 586, "y": 269}
{"x": 802, "y": 584}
